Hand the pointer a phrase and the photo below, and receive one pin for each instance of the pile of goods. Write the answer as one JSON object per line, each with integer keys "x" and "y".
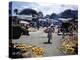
{"x": 38, "y": 51}
{"x": 32, "y": 50}
{"x": 46, "y": 30}
{"x": 69, "y": 46}
{"x": 23, "y": 47}
{"x": 32, "y": 30}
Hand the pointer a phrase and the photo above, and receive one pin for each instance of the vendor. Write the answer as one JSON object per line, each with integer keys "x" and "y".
{"x": 49, "y": 35}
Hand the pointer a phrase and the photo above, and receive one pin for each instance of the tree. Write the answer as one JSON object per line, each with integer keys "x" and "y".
{"x": 47, "y": 16}
{"x": 69, "y": 14}
{"x": 54, "y": 16}
{"x": 16, "y": 11}
{"x": 40, "y": 14}
{"x": 28, "y": 12}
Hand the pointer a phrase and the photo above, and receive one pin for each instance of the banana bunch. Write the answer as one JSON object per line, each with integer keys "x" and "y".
{"x": 23, "y": 47}
{"x": 38, "y": 51}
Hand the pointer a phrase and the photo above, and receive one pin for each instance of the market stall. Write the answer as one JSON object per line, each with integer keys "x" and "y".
{"x": 69, "y": 45}
{"x": 23, "y": 50}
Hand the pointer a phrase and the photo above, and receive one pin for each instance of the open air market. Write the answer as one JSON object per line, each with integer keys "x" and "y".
{"x": 37, "y": 30}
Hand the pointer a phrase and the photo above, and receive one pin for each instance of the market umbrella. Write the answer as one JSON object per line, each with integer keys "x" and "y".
{"x": 65, "y": 19}
{"x": 25, "y": 22}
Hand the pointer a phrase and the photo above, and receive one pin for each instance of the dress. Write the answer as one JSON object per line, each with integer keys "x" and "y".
{"x": 49, "y": 33}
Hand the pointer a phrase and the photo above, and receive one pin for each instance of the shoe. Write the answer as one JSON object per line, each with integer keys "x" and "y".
{"x": 47, "y": 42}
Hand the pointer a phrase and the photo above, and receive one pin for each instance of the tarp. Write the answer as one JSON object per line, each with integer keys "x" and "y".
{"x": 25, "y": 22}
{"x": 65, "y": 20}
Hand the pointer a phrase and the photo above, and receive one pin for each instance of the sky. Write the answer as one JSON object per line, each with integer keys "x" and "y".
{"x": 46, "y": 8}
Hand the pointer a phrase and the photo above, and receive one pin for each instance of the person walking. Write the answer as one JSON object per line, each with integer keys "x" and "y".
{"x": 49, "y": 36}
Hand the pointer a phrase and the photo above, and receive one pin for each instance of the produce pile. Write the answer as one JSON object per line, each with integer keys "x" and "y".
{"x": 69, "y": 46}
{"x": 38, "y": 51}
{"x": 32, "y": 50}
{"x": 23, "y": 47}
{"x": 32, "y": 30}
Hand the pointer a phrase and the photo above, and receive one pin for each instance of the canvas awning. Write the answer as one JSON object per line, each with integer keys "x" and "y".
{"x": 25, "y": 22}
{"x": 65, "y": 20}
